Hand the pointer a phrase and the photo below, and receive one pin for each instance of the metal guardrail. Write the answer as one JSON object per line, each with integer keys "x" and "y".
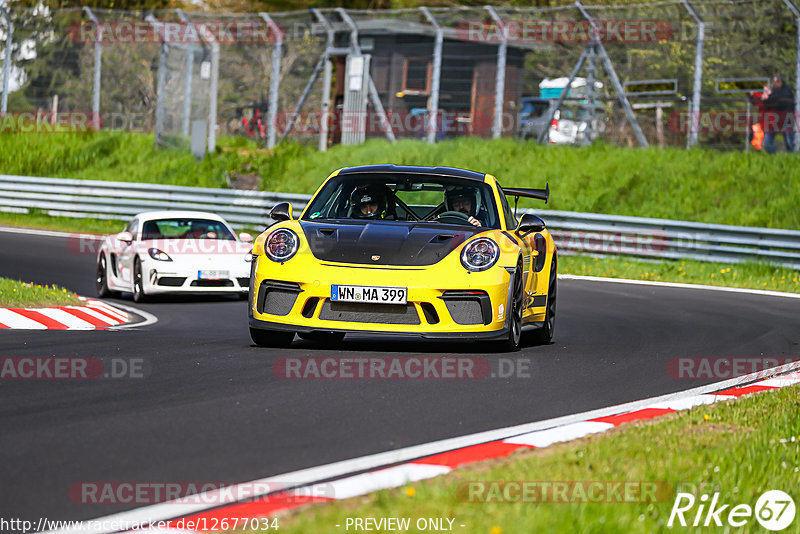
{"x": 587, "y": 233}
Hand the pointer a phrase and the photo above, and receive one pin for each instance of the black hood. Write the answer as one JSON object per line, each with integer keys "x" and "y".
{"x": 392, "y": 243}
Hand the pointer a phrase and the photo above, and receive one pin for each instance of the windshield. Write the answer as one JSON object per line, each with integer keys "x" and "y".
{"x": 399, "y": 197}
{"x": 186, "y": 229}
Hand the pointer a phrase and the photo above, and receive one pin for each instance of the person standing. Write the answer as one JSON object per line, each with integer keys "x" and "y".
{"x": 779, "y": 109}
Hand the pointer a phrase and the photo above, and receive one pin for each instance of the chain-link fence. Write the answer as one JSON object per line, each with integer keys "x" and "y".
{"x": 672, "y": 72}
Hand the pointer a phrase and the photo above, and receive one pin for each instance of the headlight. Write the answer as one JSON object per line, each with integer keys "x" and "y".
{"x": 480, "y": 254}
{"x": 159, "y": 255}
{"x": 281, "y": 245}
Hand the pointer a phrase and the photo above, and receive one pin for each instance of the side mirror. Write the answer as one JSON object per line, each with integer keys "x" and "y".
{"x": 125, "y": 237}
{"x": 282, "y": 212}
{"x": 530, "y": 223}
{"x": 245, "y": 237}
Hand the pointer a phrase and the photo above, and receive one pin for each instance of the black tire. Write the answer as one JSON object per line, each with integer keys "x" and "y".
{"x": 271, "y": 338}
{"x": 544, "y": 335}
{"x": 101, "y": 279}
{"x": 514, "y": 340}
{"x": 138, "y": 282}
{"x": 323, "y": 338}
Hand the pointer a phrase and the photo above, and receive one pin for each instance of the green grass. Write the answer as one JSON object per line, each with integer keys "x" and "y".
{"x": 735, "y": 451}
{"x": 16, "y": 294}
{"x": 744, "y": 275}
{"x": 751, "y": 189}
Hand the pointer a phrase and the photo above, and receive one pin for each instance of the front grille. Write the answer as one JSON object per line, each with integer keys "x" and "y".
{"x": 243, "y": 281}
{"x": 465, "y": 311}
{"x": 212, "y": 283}
{"x": 355, "y": 312}
{"x": 172, "y": 281}
{"x": 277, "y": 298}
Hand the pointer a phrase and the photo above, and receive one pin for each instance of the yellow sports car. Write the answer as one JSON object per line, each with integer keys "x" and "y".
{"x": 435, "y": 252}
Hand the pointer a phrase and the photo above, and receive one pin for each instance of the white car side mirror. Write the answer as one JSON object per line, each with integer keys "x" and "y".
{"x": 247, "y": 238}
{"x": 125, "y": 237}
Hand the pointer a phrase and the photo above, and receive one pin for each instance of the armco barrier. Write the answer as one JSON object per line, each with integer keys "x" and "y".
{"x": 588, "y": 233}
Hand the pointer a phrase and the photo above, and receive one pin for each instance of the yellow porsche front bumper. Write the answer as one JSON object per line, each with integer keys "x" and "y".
{"x": 443, "y": 300}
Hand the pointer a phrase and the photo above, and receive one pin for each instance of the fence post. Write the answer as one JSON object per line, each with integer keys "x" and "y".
{"x": 697, "y": 84}
{"x": 7, "y": 59}
{"x": 98, "y": 62}
{"x": 213, "y": 88}
{"x": 796, "y": 12}
{"x": 436, "y": 77}
{"x": 274, "y": 78}
{"x": 373, "y": 91}
{"x": 500, "y": 80}
{"x": 161, "y": 77}
{"x": 187, "y": 88}
{"x": 326, "y": 83}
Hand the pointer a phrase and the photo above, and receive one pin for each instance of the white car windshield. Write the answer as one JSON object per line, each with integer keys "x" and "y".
{"x": 186, "y": 229}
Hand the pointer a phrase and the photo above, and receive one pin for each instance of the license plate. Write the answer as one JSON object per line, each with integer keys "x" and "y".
{"x": 370, "y": 295}
{"x": 212, "y": 275}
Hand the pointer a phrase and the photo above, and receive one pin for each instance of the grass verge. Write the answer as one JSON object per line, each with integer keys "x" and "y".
{"x": 750, "y": 189}
{"x": 744, "y": 275}
{"x": 729, "y": 447}
{"x": 16, "y": 294}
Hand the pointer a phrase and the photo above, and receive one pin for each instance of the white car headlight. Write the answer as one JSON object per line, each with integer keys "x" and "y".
{"x": 159, "y": 255}
{"x": 480, "y": 254}
{"x": 281, "y": 245}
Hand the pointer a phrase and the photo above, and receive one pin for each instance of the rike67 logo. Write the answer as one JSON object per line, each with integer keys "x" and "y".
{"x": 774, "y": 510}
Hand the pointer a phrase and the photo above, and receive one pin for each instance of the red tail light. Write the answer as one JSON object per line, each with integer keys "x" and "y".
{"x": 554, "y": 124}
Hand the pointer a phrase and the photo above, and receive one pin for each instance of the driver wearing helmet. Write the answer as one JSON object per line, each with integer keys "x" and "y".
{"x": 368, "y": 202}
{"x": 464, "y": 200}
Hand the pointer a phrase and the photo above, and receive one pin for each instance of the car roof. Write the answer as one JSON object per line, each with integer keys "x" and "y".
{"x": 414, "y": 169}
{"x": 178, "y": 214}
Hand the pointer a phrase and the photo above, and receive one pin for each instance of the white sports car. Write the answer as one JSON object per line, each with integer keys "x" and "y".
{"x": 174, "y": 252}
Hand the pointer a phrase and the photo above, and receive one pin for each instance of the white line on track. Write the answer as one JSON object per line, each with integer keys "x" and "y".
{"x": 149, "y": 318}
{"x": 46, "y": 233}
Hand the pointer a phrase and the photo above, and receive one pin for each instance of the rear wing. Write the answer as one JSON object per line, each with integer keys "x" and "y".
{"x": 541, "y": 194}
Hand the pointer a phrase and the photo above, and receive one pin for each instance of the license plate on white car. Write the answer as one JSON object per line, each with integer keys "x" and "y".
{"x": 370, "y": 295}
{"x": 212, "y": 275}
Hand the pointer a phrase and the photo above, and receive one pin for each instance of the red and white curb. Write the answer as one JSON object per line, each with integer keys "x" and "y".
{"x": 336, "y": 481}
{"x": 93, "y": 315}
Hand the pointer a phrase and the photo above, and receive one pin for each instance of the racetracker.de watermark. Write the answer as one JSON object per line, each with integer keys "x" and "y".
{"x": 565, "y": 31}
{"x": 400, "y": 368}
{"x": 91, "y": 244}
{"x": 569, "y": 491}
{"x": 731, "y": 121}
{"x": 721, "y": 367}
{"x": 71, "y": 368}
{"x": 193, "y": 492}
{"x": 48, "y": 122}
{"x": 141, "y": 31}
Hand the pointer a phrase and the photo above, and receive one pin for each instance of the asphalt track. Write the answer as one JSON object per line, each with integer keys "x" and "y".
{"x": 211, "y": 409}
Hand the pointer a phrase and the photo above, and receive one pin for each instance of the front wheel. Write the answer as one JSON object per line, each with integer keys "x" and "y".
{"x": 544, "y": 335}
{"x": 138, "y": 282}
{"x": 514, "y": 340}
{"x": 271, "y": 338}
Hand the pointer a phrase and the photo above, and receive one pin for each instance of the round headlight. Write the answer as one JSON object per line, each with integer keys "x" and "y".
{"x": 480, "y": 254}
{"x": 281, "y": 245}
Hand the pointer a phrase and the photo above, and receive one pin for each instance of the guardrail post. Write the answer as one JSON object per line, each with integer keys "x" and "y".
{"x": 500, "y": 79}
{"x": 697, "y": 84}
{"x": 6, "y": 59}
{"x": 274, "y": 78}
{"x": 436, "y": 78}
